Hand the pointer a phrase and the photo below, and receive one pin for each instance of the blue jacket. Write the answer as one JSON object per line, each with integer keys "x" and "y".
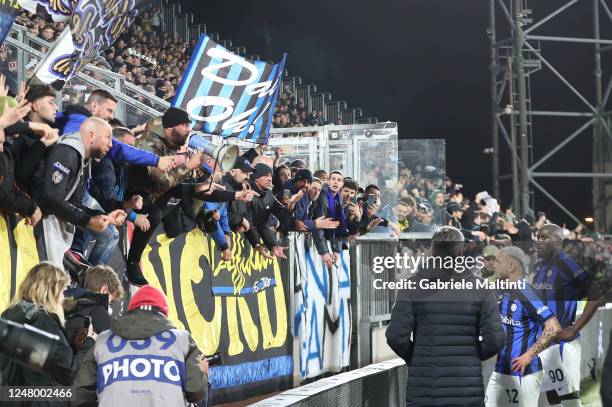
{"x": 70, "y": 121}
{"x": 222, "y": 225}
{"x": 108, "y": 186}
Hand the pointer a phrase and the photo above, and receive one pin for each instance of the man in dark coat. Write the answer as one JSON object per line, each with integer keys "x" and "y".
{"x": 260, "y": 209}
{"x": 445, "y": 333}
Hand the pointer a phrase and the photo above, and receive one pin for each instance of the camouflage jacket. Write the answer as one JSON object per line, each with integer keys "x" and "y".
{"x": 150, "y": 180}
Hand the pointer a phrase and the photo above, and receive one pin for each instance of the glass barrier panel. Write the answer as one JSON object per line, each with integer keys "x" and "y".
{"x": 422, "y": 168}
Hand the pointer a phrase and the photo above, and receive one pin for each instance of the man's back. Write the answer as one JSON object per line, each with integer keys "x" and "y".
{"x": 445, "y": 355}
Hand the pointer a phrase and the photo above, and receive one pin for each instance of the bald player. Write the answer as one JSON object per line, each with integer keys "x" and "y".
{"x": 60, "y": 184}
{"x": 530, "y": 328}
{"x": 562, "y": 283}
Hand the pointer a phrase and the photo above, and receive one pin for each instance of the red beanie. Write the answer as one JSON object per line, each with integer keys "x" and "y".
{"x": 149, "y": 295}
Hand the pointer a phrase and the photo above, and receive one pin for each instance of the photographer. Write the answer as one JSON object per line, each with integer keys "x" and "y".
{"x": 101, "y": 288}
{"x": 144, "y": 334}
{"x": 38, "y": 303}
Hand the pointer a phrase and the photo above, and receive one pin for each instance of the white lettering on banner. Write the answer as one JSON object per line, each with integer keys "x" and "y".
{"x": 202, "y": 101}
{"x": 237, "y": 124}
{"x": 231, "y": 60}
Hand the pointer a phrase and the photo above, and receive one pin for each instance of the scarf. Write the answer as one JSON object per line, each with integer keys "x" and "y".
{"x": 336, "y": 213}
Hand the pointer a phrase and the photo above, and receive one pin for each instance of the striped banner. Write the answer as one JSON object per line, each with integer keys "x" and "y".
{"x": 56, "y": 11}
{"x": 94, "y": 26}
{"x": 8, "y": 13}
{"x": 228, "y": 95}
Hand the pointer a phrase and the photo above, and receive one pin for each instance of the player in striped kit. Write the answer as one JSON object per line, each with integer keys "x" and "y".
{"x": 530, "y": 328}
{"x": 562, "y": 282}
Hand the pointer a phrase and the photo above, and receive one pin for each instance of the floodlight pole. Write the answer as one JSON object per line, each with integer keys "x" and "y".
{"x": 521, "y": 50}
{"x": 518, "y": 40}
{"x": 494, "y": 110}
{"x": 599, "y": 184}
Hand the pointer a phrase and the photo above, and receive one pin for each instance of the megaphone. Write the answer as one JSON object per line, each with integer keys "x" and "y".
{"x": 225, "y": 155}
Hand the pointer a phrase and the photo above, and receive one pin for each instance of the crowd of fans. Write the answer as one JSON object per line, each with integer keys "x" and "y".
{"x": 82, "y": 174}
{"x": 100, "y": 175}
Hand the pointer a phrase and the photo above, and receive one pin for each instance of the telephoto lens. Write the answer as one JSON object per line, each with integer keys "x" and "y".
{"x": 26, "y": 345}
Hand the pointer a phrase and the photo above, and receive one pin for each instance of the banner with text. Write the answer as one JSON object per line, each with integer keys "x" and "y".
{"x": 228, "y": 95}
{"x": 94, "y": 27}
{"x": 251, "y": 332}
{"x": 322, "y": 319}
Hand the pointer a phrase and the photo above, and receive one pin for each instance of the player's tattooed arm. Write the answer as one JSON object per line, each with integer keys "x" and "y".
{"x": 548, "y": 337}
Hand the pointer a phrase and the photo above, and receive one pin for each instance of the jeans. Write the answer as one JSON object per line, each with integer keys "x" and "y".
{"x": 105, "y": 241}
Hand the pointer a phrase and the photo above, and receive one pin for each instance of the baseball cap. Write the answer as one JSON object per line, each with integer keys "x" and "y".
{"x": 490, "y": 251}
{"x": 243, "y": 164}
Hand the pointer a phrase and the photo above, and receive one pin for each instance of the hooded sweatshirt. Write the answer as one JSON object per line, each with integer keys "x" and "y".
{"x": 142, "y": 361}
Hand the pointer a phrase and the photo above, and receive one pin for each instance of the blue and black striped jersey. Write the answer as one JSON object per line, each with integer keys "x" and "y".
{"x": 560, "y": 282}
{"x": 523, "y": 314}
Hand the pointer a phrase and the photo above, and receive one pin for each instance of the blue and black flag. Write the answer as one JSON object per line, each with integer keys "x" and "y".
{"x": 8, "y": 12}
{"x": 94, "y": 26}
{"x": 228, "y": 95}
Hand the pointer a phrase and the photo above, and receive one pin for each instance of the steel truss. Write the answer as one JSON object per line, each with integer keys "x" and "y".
{"x": 513, "y": 60}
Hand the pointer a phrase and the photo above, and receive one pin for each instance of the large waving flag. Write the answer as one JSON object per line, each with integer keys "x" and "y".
{"x": 229, "y": 95}
{"x": 56, "y": 11}
{"x": 94, "y": 26}
{"x": 8, "y": 13}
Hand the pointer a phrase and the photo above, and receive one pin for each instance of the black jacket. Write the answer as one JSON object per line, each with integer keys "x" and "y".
{"x": 12, "y": 199}
{"x": 55, "y": 178}
{"x": 236, "y": 210}
{"x": 79, "y": 304}
{"x": 259, "y": 211}
{"x": 445, "y": 355}
{"x": 28, "y": 151}
{"x": 62, "y": 365}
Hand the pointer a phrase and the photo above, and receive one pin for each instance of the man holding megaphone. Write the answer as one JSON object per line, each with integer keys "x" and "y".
{"x": 164, "y": 191}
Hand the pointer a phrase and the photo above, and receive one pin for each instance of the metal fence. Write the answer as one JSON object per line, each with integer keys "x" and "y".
{"x": 134, "y": 106}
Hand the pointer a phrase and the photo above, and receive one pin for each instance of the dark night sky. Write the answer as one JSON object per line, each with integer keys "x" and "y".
{"x": 423, "y": 64}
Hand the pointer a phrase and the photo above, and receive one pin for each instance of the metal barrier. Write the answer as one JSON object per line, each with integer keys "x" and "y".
{"x": 384, "y": 384}
{"x": 134, "y": 106}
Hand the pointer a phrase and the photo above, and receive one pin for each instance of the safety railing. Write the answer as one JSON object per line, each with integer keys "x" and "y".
{"x": 134, "y": 106}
